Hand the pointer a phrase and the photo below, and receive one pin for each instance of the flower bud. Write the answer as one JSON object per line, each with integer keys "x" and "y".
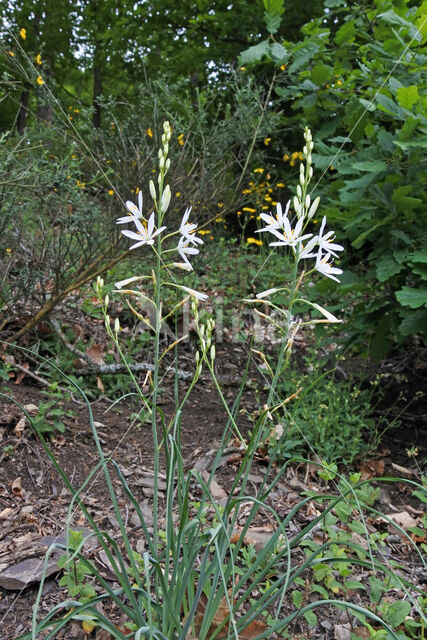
{"x": 165, "y": 149}
{"x": 299, "y": 192}
{"x": 152, "y": 190}
{"x": 310, "y": 172}
{"x": 166, "y": 198}
{"x": 213, "y": 352}
{"x": 106, "y": 300}
{"x": 202, "y": 331}
{"x": 313, "y": 208}
{"x": 116, "y": 325}
{"x": 307, "y": 201}
{"x": 297, "y": 206}
{"x": 161, "y": 163}
{"x": 305, "y": 150}
{"x": 107, "y": 321}
{"x": 99, "y": 284}
{"x": 160, "y": 154}
{"x": 167, "y": 164}
{"x": 197, "y": 357}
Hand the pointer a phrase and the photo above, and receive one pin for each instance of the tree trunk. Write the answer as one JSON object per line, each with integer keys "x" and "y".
{"x": 97, "y": 87}
{"x": 22, "y": 113}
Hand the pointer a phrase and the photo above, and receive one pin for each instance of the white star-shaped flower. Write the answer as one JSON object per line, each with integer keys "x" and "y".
{"x": 145, "y": 234}
{"x": 187, "y": 229}
{"x": 135, "y": 211}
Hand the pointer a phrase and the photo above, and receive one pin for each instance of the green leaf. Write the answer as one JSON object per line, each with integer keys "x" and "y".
{"x": 413, "y": 322}
{"x": 321, "y": 74}
{"x": 255, "y": 54}
{"x": 389, "y": 106}
{"x": 397, "y": 612}
{"x": 278, "y": 52}
{"x": 346, "y": 33}
{"x": 311, "y": 618}
{"x": 354, "y": 584}
{"x": 374, "y": 166}
{"x": 386, "y": 267}
{"x": 418, "y": 256}
{"x": 297, "y": 598}
{"x": 421, "y": 494}
{"x": 413, "y": 298}
{"x": 407, "y": 96}
{"x": 408, "y": 129}
{"x": 272, "y": 15}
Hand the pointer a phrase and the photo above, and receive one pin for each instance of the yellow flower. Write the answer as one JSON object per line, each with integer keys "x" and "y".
{"x": 10, "y": 53}
{"x": 220, "y": 204}
{"x": 259, "y": 170}
{"x": 149, "y": 132}
{"x": 9, "y": 250}
{"x": 280, "y": 185}
{"x": 339, "y": 83}
{"x": 286, "y": 157}
{"x": 239, "y": 213}
{"x": 23, "y": 33}
{"x": 219, "y": 219}
{"x": 38, "y": 59}
{"x": 254, "y": 241}
{"x": 178, "y": 194}
{"x": 110, "y": 192}
{"x": 242, "y": 68}
{"x": 267, "y": 198}
{"x": 204, "y": 232}
{"x": 267, "y": 141}
{"x": 137, "y": 190}
{"x": 245, "y": 191}
{"x": 181, "y": 139}
{"x": 76, "y": 110}
{"x": 39, "y": 80}
{"x": 249, "y": 209}
{"x": 73, "y": 157}
{"x": 282, "y": 67}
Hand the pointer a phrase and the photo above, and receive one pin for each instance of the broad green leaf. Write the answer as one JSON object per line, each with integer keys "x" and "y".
{"x": 255, "y": 54}
{"x": 375, "y": 166}
{"x": 302, "y": 56}
{"x": 346, "y": 33}
{"x": 407, "y": 96}
{"x": 413, "y": 298}
{"x": 389, "y": 106}
{"x": 403, "y": 201}
{"x": 278, "y": 52}
{"x": 273, "y": 14}
{"x": 407, "y": 131}
{"x": 397, "y": 612}
{"x": 413, "y": 322}
{"x": 392, "y": 18}
{"x": 321, "y": 74}
{"x": 354, "y": 584}
{"x": 311, "y": 618}
{"x": 418, "y": 256}
{"x": 297, "y": 598}
{"x": 331, "y": 4}
{"x": 386, "y": 267}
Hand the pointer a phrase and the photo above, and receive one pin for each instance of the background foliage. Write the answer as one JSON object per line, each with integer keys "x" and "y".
{"x": 84, "y": 87}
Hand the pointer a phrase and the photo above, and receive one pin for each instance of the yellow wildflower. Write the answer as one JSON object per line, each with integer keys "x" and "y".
{"x": 242, "y": 68}
{"x": 220, "y": 204}
{"x": 282, "y": 67}
{"x": 23, "y": 33}
{"x": 249, "y": 209}
{"x": 267, "y": 198}
{"x": 76, "y": 110}
{"x": 40, "y": 81}
{"x": 280, "y": 185}
{"x": 73, "y": 157}
{"x": 39, "y": 59}
{"x": 267, "y": 141}
{"x": 9, "y": 250}
{"x": 137, "y": 190}
{"x": 181, "y": 139}
{"x": 10, "y": 53}
{"x": 149, "y": 132}
{"x": 245, "y": 191}
{"x": 110, "y": 192}
{"x": 286, "y": 157}
{"x": 178, "y": 194}
{"x": 204, "y": 232}
{"x": 259, "y": 170}
{"x": 254, "y": 241}
{"x": 239, "y": 213}
{"x": 219, "y": 219}
{"x": 339, "y": 83}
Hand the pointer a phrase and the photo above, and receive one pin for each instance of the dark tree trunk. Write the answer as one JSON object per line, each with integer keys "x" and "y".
{"x": 22, "y": 113}
{"x": 97, "y": 87}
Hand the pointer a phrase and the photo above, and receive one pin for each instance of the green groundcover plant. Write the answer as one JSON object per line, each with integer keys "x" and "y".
{"x": 198, "y": 577}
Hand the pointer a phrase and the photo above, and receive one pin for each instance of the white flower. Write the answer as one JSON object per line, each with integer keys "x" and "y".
{"x": 274, "y": 223}
{"x": 324, "y": 265}
{"x": 145, "y": 234}
{"x": 135, "y": 211}
{"x": 305, "y": 251}
{"x": 187, "y": 229}
{"x": 194, "y": 293}
{"x": 290, "y": 237}
{"x": 324, "y": 241}
{"x": 185, "y": 250}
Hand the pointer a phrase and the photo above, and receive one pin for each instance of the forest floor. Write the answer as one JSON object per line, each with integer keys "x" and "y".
{"x": 34, "y": 501}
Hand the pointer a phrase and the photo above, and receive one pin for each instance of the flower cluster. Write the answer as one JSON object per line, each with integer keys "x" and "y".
{"x": 147, "y": 230}
{"x": 322, "y": 246}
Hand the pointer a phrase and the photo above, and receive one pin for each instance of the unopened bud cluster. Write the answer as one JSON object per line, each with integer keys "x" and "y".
{"x": 164, "y": 164}
{"x": 303, "y": 206}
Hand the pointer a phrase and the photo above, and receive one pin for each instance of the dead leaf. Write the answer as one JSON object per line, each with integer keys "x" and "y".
{"x": 217, "y": 492}
{"x": 258, "y": 536}
{"x": 6, "y": 513}
{"x": 19, "y": 428}
{"x": 372, "y": 469}
{"x": 253, "y": 630}
{"x": 403, "y": 519}
{"x": 403, "y": 470}
{"x": 32, "y": 409}
{"x": 21, "y": 374}
{"x": 99, "y": 384}
{"x": 96, "y": 353}
{"x": 16, "y": 487}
